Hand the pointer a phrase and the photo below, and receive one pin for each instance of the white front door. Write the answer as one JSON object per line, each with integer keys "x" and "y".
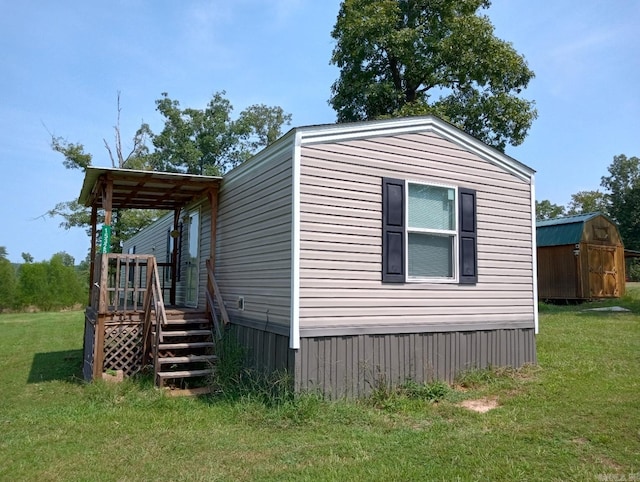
{"x": 193, "y": 258}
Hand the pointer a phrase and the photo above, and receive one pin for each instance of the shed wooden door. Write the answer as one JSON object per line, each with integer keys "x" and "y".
{"x": 603, "y": 275}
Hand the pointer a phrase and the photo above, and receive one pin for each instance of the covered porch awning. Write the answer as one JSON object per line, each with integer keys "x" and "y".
{"x": 127, "y": 189}
{"x": 110, "y": 188}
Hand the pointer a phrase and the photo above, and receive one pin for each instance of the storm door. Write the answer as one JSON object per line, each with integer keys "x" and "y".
{"x": 193, "y": 258}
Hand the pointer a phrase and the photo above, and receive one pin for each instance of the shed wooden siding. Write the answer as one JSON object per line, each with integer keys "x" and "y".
{"x": 586, "y": 267}
{"x": 558, "y": 273}
{"x": 350, "y": 366}
{"x": 253, "y": 257}
{"x": 340, "y": 234}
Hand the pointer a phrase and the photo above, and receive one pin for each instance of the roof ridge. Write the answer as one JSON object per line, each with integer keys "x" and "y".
{"x": 573, "y": 218}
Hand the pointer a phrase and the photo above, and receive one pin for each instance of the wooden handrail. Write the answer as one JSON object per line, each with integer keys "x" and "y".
{"x": 214, "y": 316}
{"x": 153, "y": 295}
{"x": 213, "y": 292}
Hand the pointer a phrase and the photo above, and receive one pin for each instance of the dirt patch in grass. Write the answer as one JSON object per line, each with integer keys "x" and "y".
{"x": 481, "y": 405}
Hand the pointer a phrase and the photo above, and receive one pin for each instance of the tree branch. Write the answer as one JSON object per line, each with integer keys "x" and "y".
{"x": 106, "y": 144}
{"x": 118, "y": 138}
{"x": 395, "y": 72}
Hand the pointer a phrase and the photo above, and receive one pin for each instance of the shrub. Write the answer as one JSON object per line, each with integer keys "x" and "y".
{"x": 633, "y": 272}
{"x": 7, "y": 284}
{"x": 50, "y": 285}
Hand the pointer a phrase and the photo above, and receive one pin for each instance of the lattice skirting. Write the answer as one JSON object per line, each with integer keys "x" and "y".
{"x": 123, "y": 347}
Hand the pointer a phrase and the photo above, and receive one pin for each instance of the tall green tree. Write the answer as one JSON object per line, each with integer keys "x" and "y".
{"x": 124, "y": 223}
{"x": 196, "y": 141}
{"x": 623, "y": 197}
{"x": 545, "y": 209}
{"x": 260, "y": 125}
{"x": 208, "y": 141}
{"x": 7, "y": 281}
{"x": 584, "y": 202}
{"x": 416, "y": 57}
{"x": 75, "y": 156}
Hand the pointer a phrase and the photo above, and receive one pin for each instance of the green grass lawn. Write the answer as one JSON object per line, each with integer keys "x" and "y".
{"x": 574, "y": 417}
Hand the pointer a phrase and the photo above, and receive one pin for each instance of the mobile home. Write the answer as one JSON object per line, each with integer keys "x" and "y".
{"x": 355, "y": 254}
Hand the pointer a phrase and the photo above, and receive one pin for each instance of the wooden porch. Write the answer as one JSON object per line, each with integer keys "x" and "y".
{"x": 129, "y": 329}
{"x": 128, "y": 326}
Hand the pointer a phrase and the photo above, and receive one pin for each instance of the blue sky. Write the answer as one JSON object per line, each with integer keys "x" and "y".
{"x": 64, "y": 62}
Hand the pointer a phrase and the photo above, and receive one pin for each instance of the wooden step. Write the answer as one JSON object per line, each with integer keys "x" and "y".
{"x": 173, "y": 311}
{"x": 185, "y": 374}
{"x": 166, "y": 333}
{"x": 183, "y": 321}
{"x": 186, "y": 359}
{"x": 185, "y": 345}
{"x": 187, "y": 392}
{"x": 187, "y": 315}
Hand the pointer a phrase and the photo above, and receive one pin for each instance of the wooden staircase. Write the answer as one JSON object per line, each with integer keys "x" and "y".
{"x": 183, "y": 350}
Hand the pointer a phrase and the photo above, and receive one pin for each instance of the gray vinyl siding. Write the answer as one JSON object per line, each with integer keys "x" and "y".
{"x": 253, "y": 250}
{"x": 152, "y": 239}
{"x": 341, "y": 292}
{"x": 351, "y": 366}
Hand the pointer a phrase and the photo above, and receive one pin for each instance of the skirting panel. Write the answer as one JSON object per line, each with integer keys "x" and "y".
{"x": 265, "y": 351}
{"x": 350, "y": 366}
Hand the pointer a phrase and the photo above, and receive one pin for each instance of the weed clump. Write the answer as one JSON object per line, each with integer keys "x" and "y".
{"x": 389, "y": 397}
{"x": 261, "y": 395}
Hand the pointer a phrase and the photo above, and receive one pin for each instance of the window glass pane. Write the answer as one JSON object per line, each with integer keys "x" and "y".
{"x": 431, "y": 207}
{"x": 430, "y": 255}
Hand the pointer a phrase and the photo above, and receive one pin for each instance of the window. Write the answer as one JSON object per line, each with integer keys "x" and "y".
{"x": 601, "y": 233}
{"x": 429, "y": 233}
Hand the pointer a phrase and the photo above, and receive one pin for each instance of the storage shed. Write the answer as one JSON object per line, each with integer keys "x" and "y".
{"x": 580, "y": 258}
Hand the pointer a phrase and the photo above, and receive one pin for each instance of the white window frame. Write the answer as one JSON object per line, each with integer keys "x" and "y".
{"x": 454, "y": 232}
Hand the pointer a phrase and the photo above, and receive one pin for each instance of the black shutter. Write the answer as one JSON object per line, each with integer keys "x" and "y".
{"x": 467, "y": 230}
{"x": 393, "y": 231}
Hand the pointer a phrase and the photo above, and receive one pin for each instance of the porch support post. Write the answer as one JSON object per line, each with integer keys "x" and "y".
{"x": 107, "y": 205}
{"x": 213, "y": 201}
{"x": 92, "y": 252}
{"x": 107, "y": 201}
{"x": 98, "y": 348}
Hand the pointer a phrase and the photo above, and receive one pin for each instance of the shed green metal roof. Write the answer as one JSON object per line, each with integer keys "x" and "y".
{"x": 561, "y": 231}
